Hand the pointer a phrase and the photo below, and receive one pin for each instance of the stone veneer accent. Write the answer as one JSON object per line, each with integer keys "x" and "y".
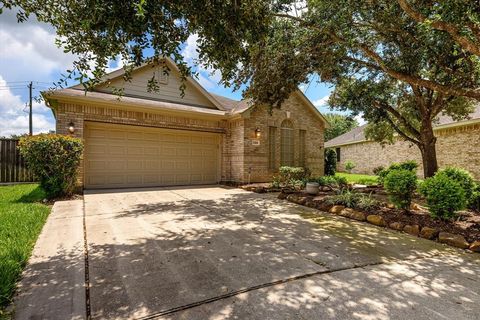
{"x": 457, "y": 146}
{"x": 242, "y": 161}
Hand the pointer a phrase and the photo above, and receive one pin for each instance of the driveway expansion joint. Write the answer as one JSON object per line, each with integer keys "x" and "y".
{"x": 87, "y": 274}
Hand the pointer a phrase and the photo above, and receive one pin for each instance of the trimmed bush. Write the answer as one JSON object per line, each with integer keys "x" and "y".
{"x": 464, "y": 179}
{"x": 330, "y": 162}
{"x": 400, "y": 185}
{"x": 293, "y": 176}
{"x": 54, "y": 160}
{"x": 349, "y": 166}
{"x": 444, "y": 196}
{"x": 406, "y": 165}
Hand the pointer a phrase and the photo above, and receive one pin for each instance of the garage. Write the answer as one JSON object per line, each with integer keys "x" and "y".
{"x": 122, "y": 156}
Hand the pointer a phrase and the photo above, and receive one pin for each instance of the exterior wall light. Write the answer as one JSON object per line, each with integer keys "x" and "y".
{"x": 257, "y": 133}
{"x": 71, "y": 127}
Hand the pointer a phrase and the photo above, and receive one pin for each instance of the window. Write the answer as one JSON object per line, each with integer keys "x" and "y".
{"x": 302, "y": 147}
{"x": 286, "y": 143}
{"x": 337, "y": 151}
{"x": 272, "y": 139}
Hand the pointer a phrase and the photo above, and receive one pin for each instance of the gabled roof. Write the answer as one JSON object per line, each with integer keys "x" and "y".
{"x": 226, "y": 105}
{"x": 357, "y": 134}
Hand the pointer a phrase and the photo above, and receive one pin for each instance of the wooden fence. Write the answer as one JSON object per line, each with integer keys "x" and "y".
{"x": 12, "y": 165}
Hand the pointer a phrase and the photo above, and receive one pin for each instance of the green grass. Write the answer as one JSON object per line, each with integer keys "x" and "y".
{"x": 22, "y": 216}
{"x": 358, "y": 178}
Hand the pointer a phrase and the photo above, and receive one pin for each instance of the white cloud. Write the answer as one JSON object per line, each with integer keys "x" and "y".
{"x": 14, "y": 120}
{"x": 360, "y": 119}
{"x": 322, "y": 102}
{"x": 207, "y": 77}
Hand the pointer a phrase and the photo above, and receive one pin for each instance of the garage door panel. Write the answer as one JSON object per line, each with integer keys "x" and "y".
{"x": 129, "y": 156}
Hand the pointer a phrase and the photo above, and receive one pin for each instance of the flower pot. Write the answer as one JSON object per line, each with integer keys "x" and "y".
{"x": 312, "y": 188}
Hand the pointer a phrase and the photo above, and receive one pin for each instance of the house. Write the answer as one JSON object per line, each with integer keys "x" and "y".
{"x": 165, "y": 138}
{"x": 458, "y": 144}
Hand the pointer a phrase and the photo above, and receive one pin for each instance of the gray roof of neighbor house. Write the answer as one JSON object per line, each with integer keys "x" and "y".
{"x": 358, "y": 134}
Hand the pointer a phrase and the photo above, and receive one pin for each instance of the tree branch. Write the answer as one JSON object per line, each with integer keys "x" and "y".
{"x": 413, "y": 80}
{"x": 401, "y": 133}
{"x": 398, "y": 116}
{"x": 466, "y": 43}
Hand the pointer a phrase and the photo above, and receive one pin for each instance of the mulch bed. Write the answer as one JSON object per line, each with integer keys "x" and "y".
{"x": 467, "y": 224}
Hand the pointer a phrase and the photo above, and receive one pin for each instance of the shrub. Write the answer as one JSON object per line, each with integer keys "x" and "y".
{"x": 349, "y": 165}
{"x": 400, "y": 185}
{"x": 464, "y": 179}
{"x": 293, "y": 176}
{"x": 406, "y": 165}
{"x": 444, "y": 196}
{"x": 54, "y": 160}
{"x": 331, "y": 181}
{"x": 475, "y": 200}
{"x": 378, "y": 169}
{"x": 330, "y": 162}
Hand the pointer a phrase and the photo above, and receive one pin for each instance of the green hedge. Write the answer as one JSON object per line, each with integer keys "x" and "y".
{"x": 330, "y": 162}
{"x": 400, "y": 185}
{"x": 54, "y": 159}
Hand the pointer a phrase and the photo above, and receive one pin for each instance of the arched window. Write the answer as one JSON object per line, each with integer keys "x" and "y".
{"x": 286, "y": 143}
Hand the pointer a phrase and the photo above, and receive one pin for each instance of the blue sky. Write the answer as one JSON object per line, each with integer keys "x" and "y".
{"x": 28, "y": 53}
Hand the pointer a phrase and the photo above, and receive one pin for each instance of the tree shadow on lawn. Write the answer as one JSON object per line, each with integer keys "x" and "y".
{"x": 154, "y": 257}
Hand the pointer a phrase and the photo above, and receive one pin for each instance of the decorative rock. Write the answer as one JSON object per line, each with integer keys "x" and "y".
{"x": 336, "y": 209}
{"x": 282, "y": 196}
{"x": 396, "y": 226}
{"x": 376, "y": 220}
{"x": 302, "y": 200}
{"x": 455, "y": 240}
{"x": 428, "y": 233}
{"x": 323, "y": 206}
{"x": 414, "y": 206}
{"x": 475, "y": 246}
{"x": 390, "y": 206}
{"x": 353, "y": 214}
{"x": 413, "y": 230}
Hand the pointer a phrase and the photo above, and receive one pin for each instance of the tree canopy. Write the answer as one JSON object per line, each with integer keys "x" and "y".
{"x": 339, "y": 124}
{"x": 400, "y": 63}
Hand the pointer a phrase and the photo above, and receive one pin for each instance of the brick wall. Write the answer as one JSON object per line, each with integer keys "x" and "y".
{"x": 256, "y": 156}
{"x": 459, "y": 146}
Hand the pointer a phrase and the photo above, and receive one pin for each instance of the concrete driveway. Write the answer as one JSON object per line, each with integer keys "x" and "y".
{"x": 223, "y": 253}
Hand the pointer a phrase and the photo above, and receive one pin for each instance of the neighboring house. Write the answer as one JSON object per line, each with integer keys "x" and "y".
{"x": 458, "y": 144}
{"x": 163, "y": 138}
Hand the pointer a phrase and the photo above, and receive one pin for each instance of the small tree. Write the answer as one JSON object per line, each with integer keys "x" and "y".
{"x": 400, "y": 185}
{"x": 349, "y": 166}
{"x": 330, "y": 162}
{"x": 54, "y": 160}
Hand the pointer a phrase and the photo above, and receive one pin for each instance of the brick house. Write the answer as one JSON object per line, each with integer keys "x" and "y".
{"x": 165, "y": 138}
{"x": 458, "y": 144}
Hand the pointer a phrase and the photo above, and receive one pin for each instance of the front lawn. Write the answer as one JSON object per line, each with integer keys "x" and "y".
{"x": 22, "y": 216}
{"x": 358, "y": 178}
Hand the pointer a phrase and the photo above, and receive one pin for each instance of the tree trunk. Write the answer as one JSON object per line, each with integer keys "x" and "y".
{"x": 428, "y": 150}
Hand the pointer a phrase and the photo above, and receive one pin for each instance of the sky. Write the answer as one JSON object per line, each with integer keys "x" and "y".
{"x": 28, "y": 53}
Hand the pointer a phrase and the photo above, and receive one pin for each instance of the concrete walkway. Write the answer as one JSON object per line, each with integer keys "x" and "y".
{"x": 222, "y": 253}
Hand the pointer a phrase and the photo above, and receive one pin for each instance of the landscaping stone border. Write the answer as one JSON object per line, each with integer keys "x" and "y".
{"x": 425, "y": 232}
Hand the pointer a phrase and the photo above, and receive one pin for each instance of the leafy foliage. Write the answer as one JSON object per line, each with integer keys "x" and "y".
{"x": 292, "y": 177}
{"x": 475, "y": 200}
{"x": 406, "y": 165}
{"x": 400, "y": 185}
{"x": 444, "y": 196}
{"x": 330, "y": 162}
{"x": 335, "y": 182}
{"x": 349, "y": 165}
{"x": 377, "y": 170}
{"x": 339, "y": 124}
{"x": 354, "y": 200}
{"x": 464, "y": 179}
{"x": 54, "y": 159}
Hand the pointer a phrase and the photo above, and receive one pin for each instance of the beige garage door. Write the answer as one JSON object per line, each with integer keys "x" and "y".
{"x": 118, "y": 156}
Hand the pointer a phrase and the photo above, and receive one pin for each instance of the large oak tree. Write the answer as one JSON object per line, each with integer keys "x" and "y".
{"x": 400, "y": 63}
